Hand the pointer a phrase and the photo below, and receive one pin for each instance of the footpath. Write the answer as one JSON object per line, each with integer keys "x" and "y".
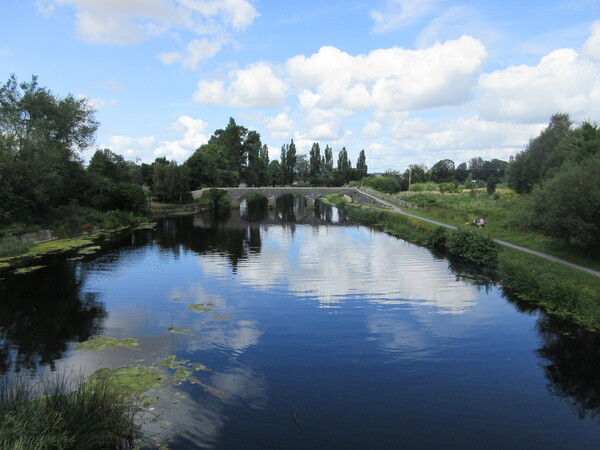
{"x": 397, "y": 210}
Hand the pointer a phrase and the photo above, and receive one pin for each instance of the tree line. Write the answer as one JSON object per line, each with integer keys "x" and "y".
{"x": 42, "y": 175}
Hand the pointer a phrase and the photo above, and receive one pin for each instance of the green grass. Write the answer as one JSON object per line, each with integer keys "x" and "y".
{"x": 560, "y": 290}
{"x": 10, "y": 246}
{"x": 501, "y": 213}
{"x": 67, "y": 413}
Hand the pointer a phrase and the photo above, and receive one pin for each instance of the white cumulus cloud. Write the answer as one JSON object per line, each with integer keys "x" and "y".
{"x": 562, "y": 81}
{"x": 394, "y": 79}
{"x": 254, "y": 87}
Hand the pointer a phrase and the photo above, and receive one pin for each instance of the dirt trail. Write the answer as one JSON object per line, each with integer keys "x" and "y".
{"x": 507, "y": 244}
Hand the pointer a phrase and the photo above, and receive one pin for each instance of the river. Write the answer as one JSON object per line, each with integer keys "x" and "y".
{"x": 312, "y": 333}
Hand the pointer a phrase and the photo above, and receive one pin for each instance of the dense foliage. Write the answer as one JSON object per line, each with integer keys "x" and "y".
{"x": 41, "y": 172}
{"x": 559, "y": 169}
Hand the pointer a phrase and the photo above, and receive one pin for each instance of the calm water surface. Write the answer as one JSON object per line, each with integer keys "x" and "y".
{"x": 316, "y": 333}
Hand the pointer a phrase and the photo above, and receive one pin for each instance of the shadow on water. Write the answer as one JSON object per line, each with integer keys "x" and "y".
{"x": 570, "y": 358}
{"x": 41, "y": 313}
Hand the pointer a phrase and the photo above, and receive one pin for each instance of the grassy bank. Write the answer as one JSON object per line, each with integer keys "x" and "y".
{"x": 501, "y": 213}
{"x": 559, "y": 290}
{"x": 66, "y": 413}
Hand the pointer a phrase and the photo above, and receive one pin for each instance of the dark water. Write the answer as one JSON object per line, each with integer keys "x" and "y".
{"x": 316, "y": 333}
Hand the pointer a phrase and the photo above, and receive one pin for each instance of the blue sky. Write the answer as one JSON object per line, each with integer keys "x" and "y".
{"x": 407, "y": 81}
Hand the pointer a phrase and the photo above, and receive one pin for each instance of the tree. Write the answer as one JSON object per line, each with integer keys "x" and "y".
{"x": 302, "y": 170}
{"x": 252, "y": 146}
{"x": 109, "y": 165}
{"x": 232, "y": 139}
{"x": 263, "y": 164}
{"x": 469, "y": 181}
{"x": 275, "y": 173}
{"x": 492, "y": 181}
{"x": 567, "y": 206}
{"x": 40, "y": 139}
{"x": 343, "y": 173}
{"x": 361, "y": 165}
{"x": 315, "y": 163}
{"x": 288, "y": 162}
{"x": 443, "y": 171}
{"x": 542, "y": 156}
{"x": 417, "y": 173}
{"x": 461, "y": 172}
{"x": 171, "y": 181}
{"x": 476, "y": 167}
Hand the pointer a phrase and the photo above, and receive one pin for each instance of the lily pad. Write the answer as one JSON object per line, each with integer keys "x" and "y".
{"x": 220, "y": 317}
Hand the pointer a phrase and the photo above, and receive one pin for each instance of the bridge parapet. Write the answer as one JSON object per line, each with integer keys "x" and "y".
{"x": 310, "y": 193}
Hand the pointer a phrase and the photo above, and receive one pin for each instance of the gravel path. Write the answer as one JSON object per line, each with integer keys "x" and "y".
{"x": 507, "y": 244}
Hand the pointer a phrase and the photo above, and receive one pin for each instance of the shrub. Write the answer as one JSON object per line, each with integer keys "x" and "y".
{"x": 422, "y": 187}
{"x": 448, "y": 187}
{"x": 438, "y": 239}
{"x": 474, "y": 247}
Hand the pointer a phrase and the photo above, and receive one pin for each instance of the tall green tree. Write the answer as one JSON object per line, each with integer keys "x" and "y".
{"x": 109, "y": 165}
{"x": 542, "y": 156}
{"x": 41, "y": 136}
{"x": 252, "y": 146}
{"x": 232, "y": 140}
{"x": 443, "y": 171}
{"x": 343, "y": 172}
{"x": 361, "y": 165}
{"x": 461, "y": 172}
{"x": 275, "y": 173}
{"x": 288, "y": 162}
{"x": 315, "y": 164}
{"x": 263, "y": 165}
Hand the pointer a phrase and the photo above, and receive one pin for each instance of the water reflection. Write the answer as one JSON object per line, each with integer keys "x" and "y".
{"x": 571, "y": 362}
{"x": 254, "y": 209}
{"x": 42, "y": 312}
{"x": 291, "y": 207}
{"x": 293, "y": 311}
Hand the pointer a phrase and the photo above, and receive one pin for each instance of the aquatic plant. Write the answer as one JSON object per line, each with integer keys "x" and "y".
{"x": 101, "y": 343}
{"x": 201, "y": 307}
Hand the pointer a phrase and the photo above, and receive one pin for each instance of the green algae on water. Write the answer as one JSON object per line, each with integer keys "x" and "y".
{"x": 101, "y": 343}
{"x": 27, "y": 269}
{"x": 132, "y": 380}
{"x": 89, "y": 250}
{"x": 220, "y": 317}
{"x": 201, "y": 307}
{"x": 178, "y": 330}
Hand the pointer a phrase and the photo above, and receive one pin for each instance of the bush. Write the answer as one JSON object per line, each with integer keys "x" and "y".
{"x": 438, "y": 239}
{"x": 430, "y": 186}
{"x": 387, "y": 184}
{"x": 448, "y": 187}
{"x": 474, "y": 247}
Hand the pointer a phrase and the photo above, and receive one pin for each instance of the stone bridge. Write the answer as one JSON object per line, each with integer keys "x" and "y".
{"x": 310, "y": 193}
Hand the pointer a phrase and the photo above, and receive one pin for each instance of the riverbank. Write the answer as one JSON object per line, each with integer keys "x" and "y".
{"x": 560, "y": 290}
